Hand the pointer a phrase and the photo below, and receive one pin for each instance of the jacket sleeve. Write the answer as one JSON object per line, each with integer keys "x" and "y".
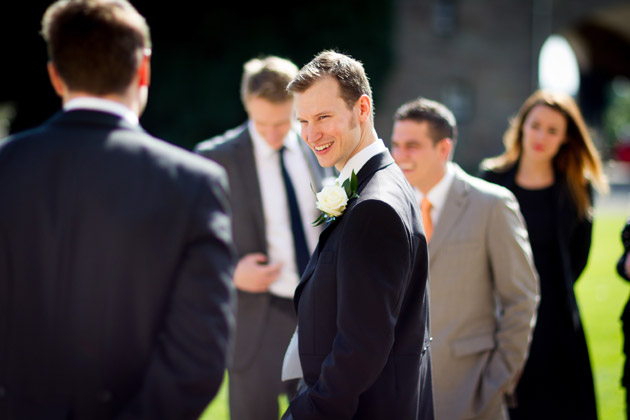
{"x": 580, "y": 242}
{"x": 188, "y": 362}
{"x": 516, "y": 286}
{"x": 215, "y": 152}
{"x": 373, "y": 268}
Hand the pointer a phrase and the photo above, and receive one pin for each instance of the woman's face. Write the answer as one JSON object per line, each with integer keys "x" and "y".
{"x": 544, "y": 132}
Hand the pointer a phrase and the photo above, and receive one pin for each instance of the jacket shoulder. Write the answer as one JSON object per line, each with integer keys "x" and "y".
{"x": 221, "y": 143}
{"x": 178, "y": 159}
{"x": 388, "y": 190}
{"x": 486, "y": 188}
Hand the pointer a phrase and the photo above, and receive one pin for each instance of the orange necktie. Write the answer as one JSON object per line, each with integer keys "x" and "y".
{"x": 425, "y": 209}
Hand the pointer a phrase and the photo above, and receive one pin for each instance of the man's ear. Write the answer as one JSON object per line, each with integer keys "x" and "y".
{"x": 445, "y": 146}
{"x": 144, "y": 71}
{"x": 55, "y": 80}
{"x": 365, "y": 108}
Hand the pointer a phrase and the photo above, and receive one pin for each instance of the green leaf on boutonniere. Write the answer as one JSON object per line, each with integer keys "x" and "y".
{"x": 346, "y": 187}
{"x": 321, "y": 219}
{"x": 351, "y": 185}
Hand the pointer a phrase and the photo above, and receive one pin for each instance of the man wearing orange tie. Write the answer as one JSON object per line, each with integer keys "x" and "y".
{"x": 484, "y": 287}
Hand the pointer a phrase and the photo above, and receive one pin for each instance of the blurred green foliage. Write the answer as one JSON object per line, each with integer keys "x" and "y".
{"x": 199, "y": 52}
{"x": 617, "y": 113}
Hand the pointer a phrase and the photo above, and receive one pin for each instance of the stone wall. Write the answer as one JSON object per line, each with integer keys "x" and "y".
{"x": 478, "y": 57}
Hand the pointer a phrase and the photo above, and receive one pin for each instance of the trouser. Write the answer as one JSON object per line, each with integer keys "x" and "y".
{"x": 254, "y": 391}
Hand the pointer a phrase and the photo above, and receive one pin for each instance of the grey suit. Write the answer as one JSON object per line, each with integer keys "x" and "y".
{"x": 484, "y": 294}
{"x": 252, "y": 395}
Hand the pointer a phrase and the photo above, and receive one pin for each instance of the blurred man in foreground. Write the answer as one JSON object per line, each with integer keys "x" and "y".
{"x": 115, "y": 249}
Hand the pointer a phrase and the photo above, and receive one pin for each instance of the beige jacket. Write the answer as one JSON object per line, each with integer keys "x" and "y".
{"x": 483, "y": 298}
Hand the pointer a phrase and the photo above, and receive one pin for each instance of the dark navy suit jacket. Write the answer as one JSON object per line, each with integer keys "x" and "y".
{"x": 115, "y": 273}
{"x": 362, "y": 308}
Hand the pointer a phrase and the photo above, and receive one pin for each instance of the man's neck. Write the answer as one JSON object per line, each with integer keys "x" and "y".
{"x": 368, "y": 137}
{"x": 356, "y": 162}
{"x": 425, "y": 187}
{"x": 125, "y": 100}
{"x": 102, "y": 105}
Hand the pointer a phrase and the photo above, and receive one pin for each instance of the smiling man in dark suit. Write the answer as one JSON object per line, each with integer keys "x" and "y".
{"x": 270, "y": 172}
{"x": 115, "y": 249}
{"x": 362, "y": 336}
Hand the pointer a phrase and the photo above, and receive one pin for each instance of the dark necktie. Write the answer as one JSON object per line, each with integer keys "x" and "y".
{"x": 299, "y": 238}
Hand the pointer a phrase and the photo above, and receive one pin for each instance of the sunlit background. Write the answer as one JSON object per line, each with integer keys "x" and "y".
{"x": 558, "y": 68}
{"x": 481, "y": 58}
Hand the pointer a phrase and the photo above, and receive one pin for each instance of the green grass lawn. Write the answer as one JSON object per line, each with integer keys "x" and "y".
{"x": 601, "y": 294}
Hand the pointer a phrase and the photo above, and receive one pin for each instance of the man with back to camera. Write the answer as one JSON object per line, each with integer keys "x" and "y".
{"x": 115, "y": 250}
{"x": 271, "y": 173}
{"x": 484, "y": 287}
{"x": 362, "y": 340}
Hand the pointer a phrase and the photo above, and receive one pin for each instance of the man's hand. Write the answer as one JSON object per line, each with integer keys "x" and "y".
{"x": 253, "y": 274}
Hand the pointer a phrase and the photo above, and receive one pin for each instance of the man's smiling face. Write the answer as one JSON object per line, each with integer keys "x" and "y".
{"x": 328, "y": 125}
{"x": 421, "y": 159}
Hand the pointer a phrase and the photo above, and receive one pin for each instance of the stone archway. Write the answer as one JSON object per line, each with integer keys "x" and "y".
{"x": 486, "y": 63}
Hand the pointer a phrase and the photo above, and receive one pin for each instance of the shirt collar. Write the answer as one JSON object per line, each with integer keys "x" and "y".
{"x": 437, "y": 195}
{"x": 357, "y": 161}
{"x": 103, "y": 105}
{"x": 261, "y": 146}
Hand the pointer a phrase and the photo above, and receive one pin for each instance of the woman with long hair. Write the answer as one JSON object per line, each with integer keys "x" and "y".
{"x": 551, "y": 165}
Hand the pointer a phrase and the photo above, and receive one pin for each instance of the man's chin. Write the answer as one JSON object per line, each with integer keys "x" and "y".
{"x": 323, "y": 162}
{"x": 413, "y": 181}
{"x": 408, "y": 174}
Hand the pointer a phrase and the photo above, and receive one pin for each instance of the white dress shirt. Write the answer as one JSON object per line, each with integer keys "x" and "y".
{"x": 104, "y": 105}
{"x": 278, "y": 232}
{"x": 357, "y": 161}
{"x": 437, "y": 195}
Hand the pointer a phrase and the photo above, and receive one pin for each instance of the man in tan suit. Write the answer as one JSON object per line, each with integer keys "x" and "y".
{"x": 484, "y": 287}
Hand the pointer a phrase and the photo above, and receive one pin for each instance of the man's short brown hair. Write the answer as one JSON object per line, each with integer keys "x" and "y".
{"x": 347, "y": 71}
{"x": 96, "y": 46}
{"x": 440, "y": 119}
{"x": 267, "y": 78}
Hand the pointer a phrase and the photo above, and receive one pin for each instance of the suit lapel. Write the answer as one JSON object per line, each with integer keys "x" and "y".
{"x": 377, "y": 162}
{"x": 368, "y": 170}
{"x": 249, "y": 176}
{"x": 455, "y": 203}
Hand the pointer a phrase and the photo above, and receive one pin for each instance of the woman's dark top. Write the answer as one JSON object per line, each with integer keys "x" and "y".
{"x": 557, "y": 381}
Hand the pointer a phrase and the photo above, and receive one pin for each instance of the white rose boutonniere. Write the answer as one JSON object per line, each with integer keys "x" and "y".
{"x": 333, "y": 199}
